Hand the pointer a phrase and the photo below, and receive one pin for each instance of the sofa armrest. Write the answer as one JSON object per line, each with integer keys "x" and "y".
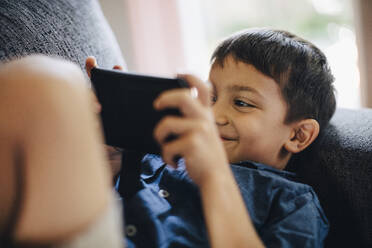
{"x": 339, "y": 168}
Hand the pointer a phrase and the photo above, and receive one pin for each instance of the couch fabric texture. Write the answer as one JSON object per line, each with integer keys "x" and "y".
{"x": 69, "y": 29}
{"x": 339, "y": 168}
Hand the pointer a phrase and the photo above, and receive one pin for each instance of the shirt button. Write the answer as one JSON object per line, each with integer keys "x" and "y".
{"x": 163, "y": 193}
{"x": 130, "y": 230}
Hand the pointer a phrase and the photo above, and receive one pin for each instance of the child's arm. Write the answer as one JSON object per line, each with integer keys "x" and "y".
{"x": 199, "y": 143}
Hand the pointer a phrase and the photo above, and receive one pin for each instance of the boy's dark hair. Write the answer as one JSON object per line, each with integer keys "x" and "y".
{"x": 300, "y": 69}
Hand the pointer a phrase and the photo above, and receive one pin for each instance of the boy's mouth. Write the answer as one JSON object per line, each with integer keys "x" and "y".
{"x": 224, "y": 138}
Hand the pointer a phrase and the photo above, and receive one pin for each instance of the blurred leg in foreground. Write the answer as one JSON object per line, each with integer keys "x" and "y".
{"x": 55, "y": 181}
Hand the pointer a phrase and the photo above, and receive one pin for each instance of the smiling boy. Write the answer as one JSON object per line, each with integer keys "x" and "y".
{"x": 250, "y": 114}
{"x": 272, "y": 94}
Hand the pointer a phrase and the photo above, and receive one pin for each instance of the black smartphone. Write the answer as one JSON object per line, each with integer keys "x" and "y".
{"x": 128, "y": 116}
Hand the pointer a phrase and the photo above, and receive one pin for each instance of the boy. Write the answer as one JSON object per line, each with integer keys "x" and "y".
{"x": 272, "y": 94}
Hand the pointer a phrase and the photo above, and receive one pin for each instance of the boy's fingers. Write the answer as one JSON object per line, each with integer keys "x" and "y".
{"x": 203, "y": 88}
{"x": 181, "y": 99}
{"x": 172, "y": 125}
{"x": 118, "y": 67}
{"x": 173, "y": 150}
{"x": 90, "y": 63}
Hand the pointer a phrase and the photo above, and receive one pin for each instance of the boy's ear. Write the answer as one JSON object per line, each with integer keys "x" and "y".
{"x": 304, "y": 132}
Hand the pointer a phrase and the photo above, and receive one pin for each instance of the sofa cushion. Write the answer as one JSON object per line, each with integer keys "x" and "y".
{"x": 69, "y": 29}
{"x": 339, "y": 168}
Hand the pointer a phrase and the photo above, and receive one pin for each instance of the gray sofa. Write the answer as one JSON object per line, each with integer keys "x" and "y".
{"x": 338, "y": 166}
{"x": 69, "y": 29}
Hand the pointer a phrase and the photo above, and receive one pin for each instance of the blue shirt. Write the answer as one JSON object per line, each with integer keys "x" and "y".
{"x": 167, "y": 211}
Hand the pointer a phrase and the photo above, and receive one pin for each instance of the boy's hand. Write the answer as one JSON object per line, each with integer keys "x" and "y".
{"x": 114, "y": 154}
{"x": 90, "y": 63}
{"x": 198, "y": 140}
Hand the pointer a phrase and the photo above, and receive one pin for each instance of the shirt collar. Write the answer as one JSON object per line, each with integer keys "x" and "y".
{"x": 263, "y": 167}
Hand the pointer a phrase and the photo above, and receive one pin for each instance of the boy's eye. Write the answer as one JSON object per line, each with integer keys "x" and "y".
{"x": 213, "y": 99}
{"x": 241, "y": 103}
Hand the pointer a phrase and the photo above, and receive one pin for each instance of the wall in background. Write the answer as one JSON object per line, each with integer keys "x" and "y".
{"x": 363, "y": 14}
{"x": 159, "y": 37}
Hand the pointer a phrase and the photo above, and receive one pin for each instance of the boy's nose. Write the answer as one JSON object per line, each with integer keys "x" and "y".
{"x": 221, "y": 121}
{"x": 220, "y": 117}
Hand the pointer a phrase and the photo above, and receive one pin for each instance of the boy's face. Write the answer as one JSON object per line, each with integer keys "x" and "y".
{"x": 250, "y": 112}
